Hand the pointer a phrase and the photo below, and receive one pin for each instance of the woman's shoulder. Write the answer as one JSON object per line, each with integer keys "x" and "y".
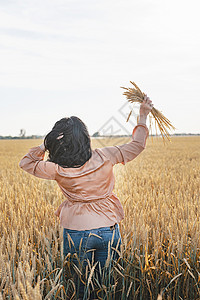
{"x": 96, "y": 161}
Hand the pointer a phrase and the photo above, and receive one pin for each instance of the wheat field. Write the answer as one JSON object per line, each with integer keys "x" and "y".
{"x": 159, "y": 257}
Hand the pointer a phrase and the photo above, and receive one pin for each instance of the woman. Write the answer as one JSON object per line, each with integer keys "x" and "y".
{"x": 91, "y": 212}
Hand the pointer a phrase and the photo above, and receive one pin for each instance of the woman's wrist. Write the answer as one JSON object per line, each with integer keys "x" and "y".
{"x": 142, "y": 118}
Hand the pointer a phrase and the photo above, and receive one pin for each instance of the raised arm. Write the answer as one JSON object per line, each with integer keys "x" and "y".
{"x": 127, "y": 152}
{"x": 34, "y": 164}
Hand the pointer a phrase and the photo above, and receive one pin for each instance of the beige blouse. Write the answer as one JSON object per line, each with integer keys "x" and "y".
{"x": 90, "y": 202}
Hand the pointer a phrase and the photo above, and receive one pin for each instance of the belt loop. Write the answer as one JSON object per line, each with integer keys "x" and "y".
{"x": 113, "y": 226}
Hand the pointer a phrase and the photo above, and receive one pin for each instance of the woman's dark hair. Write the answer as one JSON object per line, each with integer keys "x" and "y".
{"x": 68, "y": 143}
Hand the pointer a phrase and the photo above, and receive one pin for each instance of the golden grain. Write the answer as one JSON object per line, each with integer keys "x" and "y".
{"x": 159, "y": 191}
{"x": 135, "y": 95}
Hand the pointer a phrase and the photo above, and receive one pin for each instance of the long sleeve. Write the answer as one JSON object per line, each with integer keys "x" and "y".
{"x": 33, "y": 163}
{"x": 127, "y": 152}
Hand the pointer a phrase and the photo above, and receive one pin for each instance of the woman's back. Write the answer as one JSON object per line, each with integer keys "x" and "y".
{"x": 90, "y": 202}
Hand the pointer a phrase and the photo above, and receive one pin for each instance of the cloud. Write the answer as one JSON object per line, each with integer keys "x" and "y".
{"x": 88, "y": 49}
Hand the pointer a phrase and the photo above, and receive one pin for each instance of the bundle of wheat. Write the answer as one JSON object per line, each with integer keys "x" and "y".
{"x": 136, "y": 95}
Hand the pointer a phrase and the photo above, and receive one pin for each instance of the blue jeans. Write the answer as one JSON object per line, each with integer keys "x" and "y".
{"x": 94, "y": 247}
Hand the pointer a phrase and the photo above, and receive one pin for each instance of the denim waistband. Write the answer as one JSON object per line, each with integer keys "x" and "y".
{"x": 115, "y": 226}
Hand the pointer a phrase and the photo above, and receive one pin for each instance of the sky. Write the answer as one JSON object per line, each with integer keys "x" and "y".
{"x": 61, "y": 58}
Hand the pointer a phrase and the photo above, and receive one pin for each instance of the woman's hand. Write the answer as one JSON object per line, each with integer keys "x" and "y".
{"x": 42, "y": 147}
{"x": 146, "y": 106}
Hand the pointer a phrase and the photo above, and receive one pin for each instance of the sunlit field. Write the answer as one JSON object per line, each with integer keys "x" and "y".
{"x": 159, "y": 191}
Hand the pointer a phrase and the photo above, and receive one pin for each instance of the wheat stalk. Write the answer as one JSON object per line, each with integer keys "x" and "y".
{"x": 136, "y": 95}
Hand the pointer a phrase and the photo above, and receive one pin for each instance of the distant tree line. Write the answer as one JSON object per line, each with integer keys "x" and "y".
{"x": 9, "y": 137}
{"x": 96, "y": 134}
{"x": 125, "y": 135}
